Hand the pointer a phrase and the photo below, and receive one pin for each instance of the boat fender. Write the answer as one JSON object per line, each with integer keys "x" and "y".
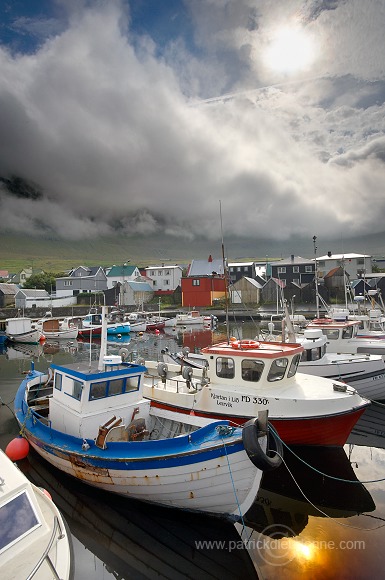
{"x": 263, "y": 461}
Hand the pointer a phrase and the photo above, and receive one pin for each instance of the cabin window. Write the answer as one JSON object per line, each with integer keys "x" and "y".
{"x": 225, "y": 367}
{"x": 98, "y": 390}
{"x": 277, "y": 369}
{"x": 331, "y": 333}
{"x": 58, "y": 381}
{"x": 347, "y": 332}
{"x": 132, "y": 384}
{"x": 294, "y": 365}
{"x": 115, "y": 387}
{"x": 18, "y": 518}
{"x": 252, "y": 370}
{"x": 77, "y": 389}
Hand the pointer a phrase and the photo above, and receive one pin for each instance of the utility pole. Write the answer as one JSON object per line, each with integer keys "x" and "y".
{"x": 316, "y": 276}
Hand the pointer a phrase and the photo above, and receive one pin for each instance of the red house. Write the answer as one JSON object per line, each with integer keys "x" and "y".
{"x": 204, "y": 283}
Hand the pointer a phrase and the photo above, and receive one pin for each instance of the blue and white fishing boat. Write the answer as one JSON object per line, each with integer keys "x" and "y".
{"x": 94, "y": 424}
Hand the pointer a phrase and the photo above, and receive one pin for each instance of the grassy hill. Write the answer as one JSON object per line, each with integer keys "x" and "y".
{"x": 52, "y": 254}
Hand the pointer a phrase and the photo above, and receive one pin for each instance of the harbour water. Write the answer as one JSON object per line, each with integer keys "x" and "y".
{"x": 312, "y": 518}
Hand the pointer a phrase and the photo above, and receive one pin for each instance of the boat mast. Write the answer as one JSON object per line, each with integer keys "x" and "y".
{"x": 316, "y": 276}
{"x": 225, "y": 273}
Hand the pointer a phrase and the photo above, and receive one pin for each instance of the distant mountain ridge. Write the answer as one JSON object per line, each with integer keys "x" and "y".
{"x": 54, "y": 254}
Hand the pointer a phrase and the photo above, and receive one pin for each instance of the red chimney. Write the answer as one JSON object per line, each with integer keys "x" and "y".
{"x": 210, "y": 258}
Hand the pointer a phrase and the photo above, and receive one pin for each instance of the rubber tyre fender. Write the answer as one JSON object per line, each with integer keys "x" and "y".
{"x": 263, "y": 461}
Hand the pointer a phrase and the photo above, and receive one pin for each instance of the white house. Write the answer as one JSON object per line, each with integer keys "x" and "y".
{"x": 354, "y": 264}
{"x": 121, "y": 274}
{"x": 165, "y": 278}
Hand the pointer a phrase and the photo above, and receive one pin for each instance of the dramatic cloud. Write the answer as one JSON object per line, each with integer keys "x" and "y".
{"x": 123, "y": 130}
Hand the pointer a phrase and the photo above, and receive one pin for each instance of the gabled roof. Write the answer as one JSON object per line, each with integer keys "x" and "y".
{"x": 4, "y": 273}
{"x": 139, "y": 286}
{"x": 292, "y": 261}
{"x": 334, "y": 271}
{"x": 342, "y": 257}
{"x": 253, "y": 282}
{"x": 205, "y": 267}
{"x": 163, "y": 267}
{"x": 33, "y": 293}
{"x": 121, "y": 271}
{"x": 9, "y": 289}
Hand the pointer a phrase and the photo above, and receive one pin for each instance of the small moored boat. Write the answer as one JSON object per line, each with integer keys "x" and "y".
{"x": 93, "y": 423}
{"x": 34, "y": 539}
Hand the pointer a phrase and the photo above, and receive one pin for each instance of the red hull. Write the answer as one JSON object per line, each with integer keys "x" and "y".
{"x": 329, "y": 430}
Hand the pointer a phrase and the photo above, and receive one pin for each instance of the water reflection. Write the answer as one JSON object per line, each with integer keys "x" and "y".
{"x": 307, "y": 514}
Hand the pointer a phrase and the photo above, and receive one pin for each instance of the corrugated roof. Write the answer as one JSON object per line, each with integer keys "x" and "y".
{"x": 139, "y": 286}
{"x": 121, "y": 271}
{"x": 34, "y": 293}
{"x": 9, "y": 289}
{"x": 205, "y": 268}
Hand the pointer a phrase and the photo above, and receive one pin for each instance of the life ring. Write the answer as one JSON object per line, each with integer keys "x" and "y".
{"x": 239, "y": 344}
{"x": 261, "y": 460}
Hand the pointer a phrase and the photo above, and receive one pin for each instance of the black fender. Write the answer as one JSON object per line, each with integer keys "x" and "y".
{"x": 264, "y": 461}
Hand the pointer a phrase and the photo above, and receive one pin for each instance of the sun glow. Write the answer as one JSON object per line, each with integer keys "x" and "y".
{"x": 291, "y": 49}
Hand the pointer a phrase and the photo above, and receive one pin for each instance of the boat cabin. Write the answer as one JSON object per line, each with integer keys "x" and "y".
{"x": 85, "y": 399}
{"x": 314, "y": 344}
{"x": 250, "y": 361}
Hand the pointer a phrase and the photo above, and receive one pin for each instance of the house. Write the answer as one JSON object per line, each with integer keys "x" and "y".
{"x": 165, "y": 279}
{"x": 7, "y": 294}
{"x": 135, "y": 293}
{"x": 272, "y": 292}
{"x": 120, "y": 274}
{"x": 4, "y": 274}
{"x": 238, "y": 270}
{"x": 21, "y": 277}
{"x": 31, "y": 298}
{"x": 294, "y": 269}
{"x": 335, "y": 281}
{"x": 246, "y": 291}
{"x": 204, "y": 283}
{"x": 82, "y": 279}
{"x": 356, "y": 265}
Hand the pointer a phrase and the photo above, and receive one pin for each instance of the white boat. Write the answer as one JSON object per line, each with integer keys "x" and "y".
{"x": 371, "y": 322}
{"x": 342, "y": 336}
{"x": 34, "y": 539}
{"x": 240, "y": 378}
{"x": 51, "y": 328}
{"x": 94, "y": 424}
{"x": 192, "y": 317}
{"x": 365, "y": 372}
{"x": 21, "y": 330}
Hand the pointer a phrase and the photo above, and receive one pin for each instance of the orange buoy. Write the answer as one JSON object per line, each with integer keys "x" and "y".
{"x": 17, "y": 449}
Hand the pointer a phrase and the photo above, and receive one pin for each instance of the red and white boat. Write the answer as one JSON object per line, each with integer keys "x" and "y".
{"x": 243, "y": 377}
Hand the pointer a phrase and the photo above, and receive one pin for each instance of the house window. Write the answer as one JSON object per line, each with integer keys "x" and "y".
{"x": 167, "y": 273}
{"x": 309, "y": 269}
{"x": 295, "y": 269}
{"x": 167, "y": 282}
{"x": 282, "y": 270}
{"x": 296, "y": 281}
{"x": 321, "y": 264}
{"x": 238, "y": 269}
{"x": 152, "y": 273}
{"x": 196, "y": 282}
{"x": 67, "y": 282}
{"x": 360, "y": 261}
{"x": 160, "y": 273}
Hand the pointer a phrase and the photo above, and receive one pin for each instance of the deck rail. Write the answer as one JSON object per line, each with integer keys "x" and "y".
{"x": 45, "y": 556}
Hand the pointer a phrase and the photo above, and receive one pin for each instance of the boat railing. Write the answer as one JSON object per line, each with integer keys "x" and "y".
{"x": 176, "y": 381}
{"x": 27, "y": 409}
{"x": 57, "y": 534}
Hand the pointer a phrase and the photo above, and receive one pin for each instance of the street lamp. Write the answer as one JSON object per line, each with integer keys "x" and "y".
{"x": 123, "y": 301}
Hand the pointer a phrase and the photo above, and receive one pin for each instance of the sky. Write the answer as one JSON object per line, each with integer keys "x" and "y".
{"x": 170, "y": 117}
